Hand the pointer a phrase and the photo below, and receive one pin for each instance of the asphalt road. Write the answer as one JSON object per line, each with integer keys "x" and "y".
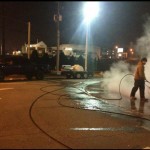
{"x": 66, "y": 114}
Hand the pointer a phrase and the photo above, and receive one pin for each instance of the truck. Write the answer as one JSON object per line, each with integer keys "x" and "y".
{"x": 20, "y": 65}
{"x": 75, "y": 72}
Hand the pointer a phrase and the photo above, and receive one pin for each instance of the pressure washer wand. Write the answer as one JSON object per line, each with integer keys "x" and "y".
{"x": 148, "y": 82}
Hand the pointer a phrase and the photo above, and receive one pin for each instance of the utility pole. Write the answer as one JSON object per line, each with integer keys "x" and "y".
{"x": 3, "y": 30}
{"x": 29, "y": 36}
{"x": 58, "y": 18}
{"x": 58, "y": 39}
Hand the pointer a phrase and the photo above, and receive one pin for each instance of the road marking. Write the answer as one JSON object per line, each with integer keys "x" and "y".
{"x": 105, "y": 129}
{"x": 2, "y": 89}
{"x": 13, "y": 83}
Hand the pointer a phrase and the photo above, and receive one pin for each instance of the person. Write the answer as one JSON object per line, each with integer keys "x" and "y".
{"x": 141, "y": 106}
{"x": 139, "y": 81}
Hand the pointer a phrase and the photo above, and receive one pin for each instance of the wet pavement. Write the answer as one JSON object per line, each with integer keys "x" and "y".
{"x": 71, "y": 114}
{"x": 135, "y": 108}
{"x": 107, "y": 101}
{"x": 89, "y": 95}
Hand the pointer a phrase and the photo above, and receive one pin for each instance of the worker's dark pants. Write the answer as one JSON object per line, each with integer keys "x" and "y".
{"x": 138, "y": 84}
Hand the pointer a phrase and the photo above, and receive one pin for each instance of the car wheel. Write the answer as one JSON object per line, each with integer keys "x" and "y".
{"x": 2, "y": 76}
{"x": 68, "y": 76}
{"x": 78, "y": 76}
{"x": 85, "y": 75}
{"x": 39, "y": 75}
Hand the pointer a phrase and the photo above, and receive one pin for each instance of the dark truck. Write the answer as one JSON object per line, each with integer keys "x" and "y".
{"x": 20, "y": 65}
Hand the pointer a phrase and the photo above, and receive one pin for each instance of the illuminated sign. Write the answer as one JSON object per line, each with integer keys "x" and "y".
{"x": 120, "y": 50}
{"x": 119, "y": 55}
{"x": 68, "y": 49}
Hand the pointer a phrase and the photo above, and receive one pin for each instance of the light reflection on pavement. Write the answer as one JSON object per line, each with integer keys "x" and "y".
{"x": 142, "y": 108}
{"x": 93, "y": 101}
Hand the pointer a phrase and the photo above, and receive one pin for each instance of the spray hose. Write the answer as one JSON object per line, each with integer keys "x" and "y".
{"x": 120, "y": 88}
{"x": 120, "y": 85}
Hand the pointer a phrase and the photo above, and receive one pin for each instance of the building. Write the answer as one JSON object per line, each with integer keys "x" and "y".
{"x": 77, "y": 50}
{"x": 41, "y": 47}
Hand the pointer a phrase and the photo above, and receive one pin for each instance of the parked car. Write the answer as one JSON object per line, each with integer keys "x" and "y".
{"x": 20, "y": 65}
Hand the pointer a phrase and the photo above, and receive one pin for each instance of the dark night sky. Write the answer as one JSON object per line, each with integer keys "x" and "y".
{"x": 118, "y": 22}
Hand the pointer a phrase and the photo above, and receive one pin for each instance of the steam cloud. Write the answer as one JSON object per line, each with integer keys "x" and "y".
{"x": 117, "y": 71}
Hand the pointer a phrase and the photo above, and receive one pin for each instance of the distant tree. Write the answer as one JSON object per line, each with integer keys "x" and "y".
{"x": 90, "y": 64}
{"x": 53, "y": 62}
{"x": 45, "y": 59}
{"x": 81, "y": 61}
{"x": 72, "y": 60}
{"x": 62, "y": 59}
{"x": 34, "y": 56}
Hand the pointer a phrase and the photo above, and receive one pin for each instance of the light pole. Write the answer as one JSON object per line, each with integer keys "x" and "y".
{"x": 29, "y": 35}
{"x": 86, "y": 46}
{"x": 90, "y": 11}
{"x": 58, "y": 39}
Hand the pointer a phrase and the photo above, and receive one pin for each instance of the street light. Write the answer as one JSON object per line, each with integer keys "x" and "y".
{"x": 90, "y": 11}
